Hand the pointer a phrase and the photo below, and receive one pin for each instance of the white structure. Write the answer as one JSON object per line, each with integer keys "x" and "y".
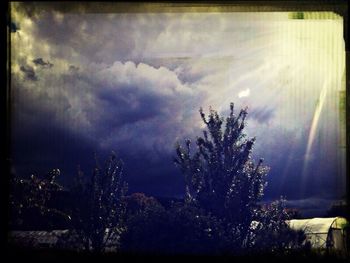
{"x": 323, "y": 232}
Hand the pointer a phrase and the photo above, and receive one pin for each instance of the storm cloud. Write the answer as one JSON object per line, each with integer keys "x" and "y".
{"x": 134, "y": 82}
{"x": 41, "y": 62}
{"x": 29, "y": 73}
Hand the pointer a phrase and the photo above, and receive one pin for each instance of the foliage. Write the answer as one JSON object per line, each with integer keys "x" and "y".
{"x": 137, "y": 203}
{"x": 144, "y": 225}
{"x": 220, "y": 175}
{"x": 220, "y": 213}
{"x": 182, "y": 229}
{"x": 95, "y": 214}
{"x": 30, "y": 201}
{"x": 98, "y": 210}
{"x": 223, "y": 180}
{"x": 270, "y": 232}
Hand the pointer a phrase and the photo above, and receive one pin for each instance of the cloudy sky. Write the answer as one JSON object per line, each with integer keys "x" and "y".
{"x": 134, "y": 82}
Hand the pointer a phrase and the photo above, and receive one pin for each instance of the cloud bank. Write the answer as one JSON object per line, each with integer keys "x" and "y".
{"x": 133, "y": 82}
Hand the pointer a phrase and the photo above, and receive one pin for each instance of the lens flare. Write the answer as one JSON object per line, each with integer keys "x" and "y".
{"x": 312, "y": 133}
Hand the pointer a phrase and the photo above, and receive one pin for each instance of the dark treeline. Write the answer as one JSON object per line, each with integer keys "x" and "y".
{"x": 220, "y": 213}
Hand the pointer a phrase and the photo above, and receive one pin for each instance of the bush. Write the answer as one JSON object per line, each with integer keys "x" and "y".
{"x": 182, "y": 229}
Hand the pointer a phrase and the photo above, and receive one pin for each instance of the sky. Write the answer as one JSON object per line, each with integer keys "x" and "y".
{"x": 85, "y": 83}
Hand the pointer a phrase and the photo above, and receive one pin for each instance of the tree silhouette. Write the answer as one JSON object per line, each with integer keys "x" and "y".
{"x": 220, "y": 176}
{"x": 30, "y": 202}
{"x": 98, "y": 205}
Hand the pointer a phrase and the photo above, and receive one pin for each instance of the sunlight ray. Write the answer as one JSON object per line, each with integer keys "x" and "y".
{"x": 312, "y": 133}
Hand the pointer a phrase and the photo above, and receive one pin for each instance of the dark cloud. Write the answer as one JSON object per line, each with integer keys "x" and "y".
{"x": 43, "y": 146}
{"x": 102, "y": 39}
{"x": 128, "y": 105}
{"x": 156, "y": 176}
{"x": 29, "y": 73}
{"x": 311, "y": 207}
{"x": 73, "y": 69}
{"x": 41, "y": 62}
{"x": 14, "y": 27}
{"x": 140, "y": 105}
{"x": 137, "y": 110}
{"x": 40, "y": 146}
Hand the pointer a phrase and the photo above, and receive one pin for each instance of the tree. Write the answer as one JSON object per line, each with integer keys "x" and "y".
{"x": 137, "y": 203}
{"x": 220, "y": 176}
{"x": 31, "y": 204}
{"x": 98, "y": 211}
{"x": 145, "y": 224}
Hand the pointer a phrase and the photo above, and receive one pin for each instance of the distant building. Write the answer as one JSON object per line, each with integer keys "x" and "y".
{"x": 36, "y": 239}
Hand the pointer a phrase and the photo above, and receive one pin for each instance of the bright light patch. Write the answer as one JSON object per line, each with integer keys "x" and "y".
{"x": 244, "y": 93}
{"x": 312, "y": 133}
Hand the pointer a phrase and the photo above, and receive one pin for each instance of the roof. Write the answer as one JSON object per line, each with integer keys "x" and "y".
{"x": 36, "y": 238}
{"x": 53, "y": 239}
{"x": 317, "y": 225}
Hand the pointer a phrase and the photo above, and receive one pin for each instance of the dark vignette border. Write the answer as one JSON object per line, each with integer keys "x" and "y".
{"x": 338, "y": 6}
